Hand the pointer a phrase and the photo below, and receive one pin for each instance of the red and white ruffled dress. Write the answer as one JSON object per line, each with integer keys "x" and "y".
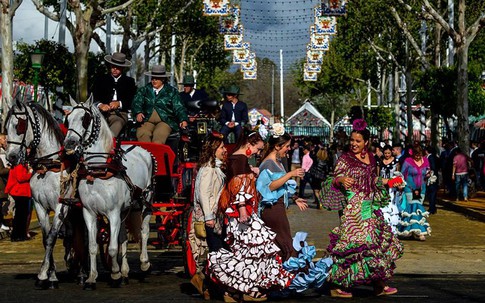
{"x": 251, "y": 264}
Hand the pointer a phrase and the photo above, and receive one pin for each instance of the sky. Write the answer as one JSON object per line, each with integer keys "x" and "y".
{"x": 269, "y": 25}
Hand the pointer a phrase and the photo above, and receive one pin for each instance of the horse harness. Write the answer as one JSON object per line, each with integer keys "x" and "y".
{"x": 43, "y": 164}
{"x": 112, "y": 166}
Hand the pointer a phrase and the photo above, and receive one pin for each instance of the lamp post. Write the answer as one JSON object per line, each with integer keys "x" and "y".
{"x": 36, "y": 59}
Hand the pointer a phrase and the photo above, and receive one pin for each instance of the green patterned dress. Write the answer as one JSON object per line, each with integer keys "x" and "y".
{"x": 363, "y": 247}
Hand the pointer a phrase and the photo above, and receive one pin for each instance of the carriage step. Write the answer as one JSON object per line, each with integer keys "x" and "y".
{"x": 167, "y": 213}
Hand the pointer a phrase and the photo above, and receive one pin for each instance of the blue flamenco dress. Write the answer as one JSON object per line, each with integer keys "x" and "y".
{"x": 296, "y": 254}
{"x": 414, "y": 217}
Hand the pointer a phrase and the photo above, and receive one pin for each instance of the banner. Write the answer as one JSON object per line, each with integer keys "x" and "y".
{"x": 325, "y": 25}
{"x": 314, "y": 56}
{"x": 334, "y": 7}
{"x": 309, "y": 76}
{"x": 252, "y": 65}
{"x": 250, "y": 75}
{"x": 215, "y": 7}
{"x": 232, "y": 42}
{"x": 243, "y": 55}
{"x": 230, "y": 24}
{"x": 311, "y": 67}
{"x": 319, "y": 42}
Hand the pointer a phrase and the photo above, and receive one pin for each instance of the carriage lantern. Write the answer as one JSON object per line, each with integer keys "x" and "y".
{"x": 36, "y": 58}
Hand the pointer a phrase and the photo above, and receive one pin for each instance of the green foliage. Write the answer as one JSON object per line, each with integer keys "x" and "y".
{"x": 436, "y": 88}
{"x": 380, "y": 117}
{"x": 58, "y": 67}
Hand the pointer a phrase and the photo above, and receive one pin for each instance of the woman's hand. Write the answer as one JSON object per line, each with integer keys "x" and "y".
{"x": 255, "y": 170}
{"x": 301, "y": 203}
{"x": 140, "y": 117}
{"x": 210, "y": 223}
{"x": 346, "y": 182}
{"x": 299, "y": 172}
{"x": 243, "y": 215}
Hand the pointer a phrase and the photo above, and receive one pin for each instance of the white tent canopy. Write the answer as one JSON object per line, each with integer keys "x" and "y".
{"x": 300, "y": 117}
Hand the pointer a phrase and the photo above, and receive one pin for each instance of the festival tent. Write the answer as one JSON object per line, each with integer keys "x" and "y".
{"x": 307, "y": 121}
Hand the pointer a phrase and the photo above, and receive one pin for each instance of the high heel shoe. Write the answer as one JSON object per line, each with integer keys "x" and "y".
{"x": 338, "y": 293}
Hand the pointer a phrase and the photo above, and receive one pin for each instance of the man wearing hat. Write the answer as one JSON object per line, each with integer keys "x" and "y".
{"x": 157, "y": 106}
{"x": 191, "y": 94}
{"x": 114, "y": 92}
{"x": 234, "y": 113}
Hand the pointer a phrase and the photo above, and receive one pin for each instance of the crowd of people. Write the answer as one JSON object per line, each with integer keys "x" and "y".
{"x": 240, "y": 235}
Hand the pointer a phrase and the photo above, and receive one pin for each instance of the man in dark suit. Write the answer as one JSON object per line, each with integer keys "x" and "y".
{"x": 190, "y": 95}
{"x": 234, "y": 113}
{"x": 114, "y": 93}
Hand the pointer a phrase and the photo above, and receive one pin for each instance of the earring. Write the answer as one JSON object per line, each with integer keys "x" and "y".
{"x": 363, "y": 152}
{"x": 248, "y": 152}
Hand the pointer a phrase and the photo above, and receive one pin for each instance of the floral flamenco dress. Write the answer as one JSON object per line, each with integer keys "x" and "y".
{"x": 363, "y": 248}
{"x": 251, "y": 263}
{"x": 391, "y": 211}
{"x": 296, "y": 254}
{"x": 414, "y": 216}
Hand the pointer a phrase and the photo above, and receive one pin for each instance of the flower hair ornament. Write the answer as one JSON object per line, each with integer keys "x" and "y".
{"x": 277, "y": 130}
{"x": 359, "y": 124}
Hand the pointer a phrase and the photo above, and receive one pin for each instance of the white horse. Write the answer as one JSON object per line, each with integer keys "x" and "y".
{"x": 89, "y": 134}
{"x": 34, "y": 136}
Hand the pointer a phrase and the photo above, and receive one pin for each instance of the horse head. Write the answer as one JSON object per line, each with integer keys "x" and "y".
{"x": 85, "y": 126}
{"x": 23, "y": 132}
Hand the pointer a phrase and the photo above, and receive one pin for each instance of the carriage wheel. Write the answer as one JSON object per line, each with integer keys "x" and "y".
{"x": 103, "y": 243}
{"x": 187, "y": 256}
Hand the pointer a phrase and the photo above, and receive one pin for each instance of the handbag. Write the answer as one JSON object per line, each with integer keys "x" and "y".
{"x": 199, "y": 228}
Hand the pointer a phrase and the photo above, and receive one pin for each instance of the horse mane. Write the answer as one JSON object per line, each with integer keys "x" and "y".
{"x": 105, "y": 134}
{"x": 50, "y": 123}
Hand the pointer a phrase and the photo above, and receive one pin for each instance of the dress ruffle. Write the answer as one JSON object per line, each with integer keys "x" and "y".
{"x": 252, "y": 263}
{"x": 308, "y": 274}
{"x": 366, "y": 255}
{"x": 414, "y": 221}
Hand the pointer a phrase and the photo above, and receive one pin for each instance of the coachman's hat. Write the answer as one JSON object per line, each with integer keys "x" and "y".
{"x": 118, "y": 59}
{"x": 188, "y": 80}
{"x": 232, "y": 90}
{"x": 158, "y": 71}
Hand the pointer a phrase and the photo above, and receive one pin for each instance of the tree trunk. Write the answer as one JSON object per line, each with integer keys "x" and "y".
{"x": 332, "y": 125}
{"x": 81, "y": 45}
{"x": 462, "y": 98}
{"x": 409, "y": 103}
{"x": 7, "y": 61}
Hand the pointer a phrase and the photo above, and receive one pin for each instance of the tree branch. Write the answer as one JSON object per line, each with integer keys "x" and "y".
{"x": 41, "y": 8}
{"x": 438, "y": 18}
{"x": 473, "y": 30}
{"x": 377, "y": 49}
{"x": 409, "y": 37}
{"x": 117, "y": 8}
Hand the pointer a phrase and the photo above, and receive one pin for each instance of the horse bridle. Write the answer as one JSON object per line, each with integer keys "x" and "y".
{"x": 89, "y": 119}
{"x": 23, "y": 125}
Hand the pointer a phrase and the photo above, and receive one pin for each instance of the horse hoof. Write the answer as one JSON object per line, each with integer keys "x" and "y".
{"x": 148, "y": 270}
{"x": 116, "y": 283}
{"x": 41, "y": 284}
{"x": 125, "y": 281}
{"x": 81, "y": 280}
{"x": 54, "y": 285}
{"x": 89, "y": 286}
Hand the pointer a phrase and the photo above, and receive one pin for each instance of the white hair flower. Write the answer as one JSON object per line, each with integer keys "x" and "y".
{"x": 278, "y": 130}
